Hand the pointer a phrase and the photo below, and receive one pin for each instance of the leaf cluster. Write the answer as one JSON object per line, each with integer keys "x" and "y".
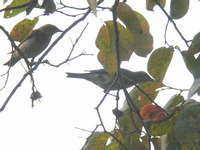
{"x": 128, "y": 33}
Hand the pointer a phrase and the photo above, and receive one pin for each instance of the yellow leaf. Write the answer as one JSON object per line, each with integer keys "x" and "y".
{"x": 137, "y": 24}
{"x": 108, "y": 60}
{"x": 105, "y": 41}
{"x": 22, "y": 29}
{"x": 97, "y": 141}
{"x": 14, "y": 12}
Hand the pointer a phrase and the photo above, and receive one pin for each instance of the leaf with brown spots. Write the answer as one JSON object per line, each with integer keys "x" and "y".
{"x": 22, "y": 29}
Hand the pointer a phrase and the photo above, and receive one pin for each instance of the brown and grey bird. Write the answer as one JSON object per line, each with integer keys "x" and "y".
{"x": 34, "y": 44}
{"x": 104, "y": 80}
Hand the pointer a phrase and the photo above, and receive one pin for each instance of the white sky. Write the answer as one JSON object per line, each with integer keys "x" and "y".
{"x": 69, "y": 103}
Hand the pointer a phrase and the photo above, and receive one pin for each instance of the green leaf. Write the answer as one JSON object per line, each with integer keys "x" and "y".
{"x": 22, "y": 29}
{"x": 191, "y": 63}
{"x": 169, "y": 142}
{"x": 160, "y": 128}
{"x": 126, "y": 124}
{"x": 187, "y": 126}
{"x": 133, "y": 20}
{"x": 156, "y": 143}
{"x": 105, "y": 41}
{"x": 131, "y": 127}
{"x": 14, "y": 12}
{"x": 159, "y": 62}
{"x": 150, "y": 4}
{"x": 49, "y": 6}
{"x": 97, "y": 141}
{"x": 143, "y": 44}
{"x": 174, "y": 101}
{"x": 115, "y": 145}
{"x": 178, "y": 8}
{"x": 138, "y": 25}
{"x": 195, "y": 45}
{"x": 194, "y": 88}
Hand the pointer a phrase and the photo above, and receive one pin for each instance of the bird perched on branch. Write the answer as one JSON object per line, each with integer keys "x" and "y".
{"x": 34, "y": 44}
{"x": 104, "y": 80}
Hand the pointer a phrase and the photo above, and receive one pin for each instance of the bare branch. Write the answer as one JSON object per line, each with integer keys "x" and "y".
{"x": 172, "y": 21}
{"x": 41, "y": 58}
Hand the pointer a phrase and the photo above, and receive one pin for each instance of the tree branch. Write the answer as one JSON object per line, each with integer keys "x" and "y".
{"x": 172, "y": 21}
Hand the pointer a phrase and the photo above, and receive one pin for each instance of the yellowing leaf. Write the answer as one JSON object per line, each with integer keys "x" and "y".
{"x": 97, "y": 141}
{"x": 161, "y": 128}
{"x": 159, "y": 62}
{"x": 14, "y": 12}
{"x": 114, "y": 145}
{"x": 108, "y": 60}
{"x": 149, "y": 88}
{"x": 133, "y": 20}
{"x": 143, "y": 44}
{"x": 178, "y": 8}
{"x": 195, "y": 45}
{"x": 139, "y": 27}
{"x": 22, "y": 29}
{"x": 105, "y": 41}
{"x": 150, "y": 4}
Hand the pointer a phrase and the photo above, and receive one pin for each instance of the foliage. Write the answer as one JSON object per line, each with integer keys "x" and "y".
{"x": 141, "y": 121}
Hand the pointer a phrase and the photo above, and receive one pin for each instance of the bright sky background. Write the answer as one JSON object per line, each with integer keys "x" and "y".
{"x": 69, "y": 103}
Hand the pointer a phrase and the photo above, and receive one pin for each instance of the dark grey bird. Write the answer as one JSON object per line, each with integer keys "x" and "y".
{"x": 104, "y": 80}
{"x": 34, "y": 44}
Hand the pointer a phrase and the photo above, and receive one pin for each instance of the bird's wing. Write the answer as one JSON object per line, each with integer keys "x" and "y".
{"x": 32, "y": 34}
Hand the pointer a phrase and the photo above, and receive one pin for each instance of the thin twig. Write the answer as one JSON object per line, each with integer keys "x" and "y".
{"x": 165, "y": 35}
{"x": 172, "y": 21}
{"x": 92, "y": 133}
{"x": 133, "y": 107}
{"x": 14, "y": 47}
{"x": 151, "y": 100}
{"x": 66, "y": 6}
{"x": 71, "y": 51}
{"x": 41, "y": 58}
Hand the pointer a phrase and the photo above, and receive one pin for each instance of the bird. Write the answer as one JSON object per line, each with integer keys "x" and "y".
{"x": 34, "y": 44}
{"x": 104, "y": 80}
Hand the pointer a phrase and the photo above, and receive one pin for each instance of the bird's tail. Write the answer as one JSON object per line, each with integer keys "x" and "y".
{"x": 12, "y": 62}
{"x": 77, "y": 75}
